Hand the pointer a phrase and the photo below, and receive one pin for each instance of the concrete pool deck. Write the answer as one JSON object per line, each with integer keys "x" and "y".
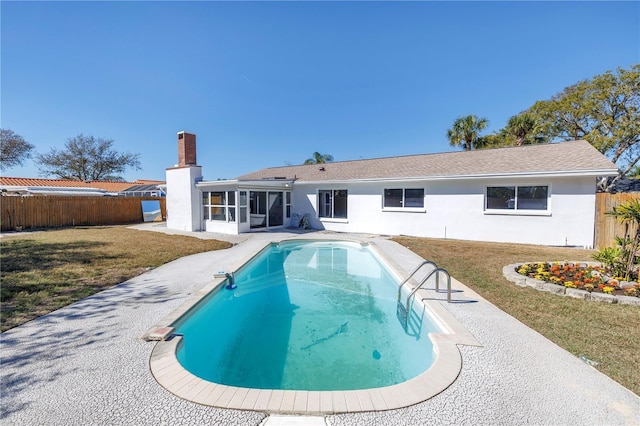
{"x": 88, "y": 364}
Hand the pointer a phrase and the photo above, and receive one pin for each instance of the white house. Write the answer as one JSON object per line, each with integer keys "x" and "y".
{"x": 536, "y": 194}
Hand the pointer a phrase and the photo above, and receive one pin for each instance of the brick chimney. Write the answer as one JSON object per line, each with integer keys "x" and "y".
{"x": 186, "y": 149}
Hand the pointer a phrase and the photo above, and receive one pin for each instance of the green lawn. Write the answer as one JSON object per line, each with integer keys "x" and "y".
{"x": 44, "y": 271}
{"x": 609, "y": 334}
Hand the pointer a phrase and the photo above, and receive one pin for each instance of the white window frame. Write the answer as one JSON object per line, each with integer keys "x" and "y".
{"x": 403, "y": 208}
{"x": 287, "y": 204}
{"x": 516, "y": 211}
{"x": 243, "y": 208}
{"x": 226, "y": 206}
{"x": 332, "y": 218}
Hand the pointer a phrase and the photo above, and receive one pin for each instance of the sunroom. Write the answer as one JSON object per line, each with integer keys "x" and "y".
{"x": 233, "y": 206}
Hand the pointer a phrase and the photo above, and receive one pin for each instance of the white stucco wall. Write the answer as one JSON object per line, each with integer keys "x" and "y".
{"x": 455, "y": 209}
{"x": 183, "y": 199}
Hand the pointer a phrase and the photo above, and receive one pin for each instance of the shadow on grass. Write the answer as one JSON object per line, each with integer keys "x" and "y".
{"x": 28, "y": 255}
{"x": 48, "y": 348}
{"x": 38, "y": 275}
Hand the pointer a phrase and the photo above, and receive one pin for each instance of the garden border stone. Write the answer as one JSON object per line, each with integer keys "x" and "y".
{"x": 509, "y": 272}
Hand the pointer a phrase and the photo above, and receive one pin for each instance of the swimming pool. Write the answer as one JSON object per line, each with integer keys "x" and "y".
{"x": 446, "y": 360}
{"x": 307, "y": 315}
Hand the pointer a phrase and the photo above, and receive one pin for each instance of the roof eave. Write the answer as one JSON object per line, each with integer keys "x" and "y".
{"x": 214, "y": 183}
{"x": 253, "y": 183}
{"x": 577, "y": 173}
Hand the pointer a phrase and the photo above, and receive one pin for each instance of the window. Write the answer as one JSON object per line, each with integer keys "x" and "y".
{"x": 332, "y": 203}
{"x": 220, "y": 205}
{"x": 287, "y": 203}
{"x": 517, "y": 198}
{"x": 403, "y": 198}
{"x": 243, "y": 206}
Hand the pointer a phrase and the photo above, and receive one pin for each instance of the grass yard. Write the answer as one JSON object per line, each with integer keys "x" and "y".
{"x": 44, "y": 271}
{"x": 609, "y": 334}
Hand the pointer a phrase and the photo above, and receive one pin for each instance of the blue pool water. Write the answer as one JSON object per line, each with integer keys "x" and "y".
{"x": 307, "y": 316}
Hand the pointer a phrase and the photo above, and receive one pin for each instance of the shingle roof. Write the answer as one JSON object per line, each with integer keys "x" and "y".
{"x": 576, "y": 157}
{"x": 67, "y": 183}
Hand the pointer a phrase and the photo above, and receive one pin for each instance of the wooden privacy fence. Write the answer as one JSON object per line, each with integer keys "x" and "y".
{"x": 607, "y": 227}
{"x": 58, "y": 211}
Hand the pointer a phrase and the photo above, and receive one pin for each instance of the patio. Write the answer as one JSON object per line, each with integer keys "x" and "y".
{"x": 87, "y": 363}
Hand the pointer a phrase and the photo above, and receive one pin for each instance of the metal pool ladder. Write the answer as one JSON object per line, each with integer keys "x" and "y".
{"x": 404, "y": 310}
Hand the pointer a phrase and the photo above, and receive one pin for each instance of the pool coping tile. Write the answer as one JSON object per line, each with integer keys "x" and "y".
{"x": 275, "y": 400}
{"x": 301, "y": 401}
{"x": 313, "y": 402}
{"x": 353, "y": 402}
{"x": 250, "y": 399}
{"x": 288, "y": 401}
{"x": 364, "y": 399}
{"x": 262, "y": 401}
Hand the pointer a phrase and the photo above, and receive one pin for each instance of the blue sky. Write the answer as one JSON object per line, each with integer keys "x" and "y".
{"x": 266, "y": 84}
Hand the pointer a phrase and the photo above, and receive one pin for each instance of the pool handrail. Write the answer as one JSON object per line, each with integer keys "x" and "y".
{"x": 437, "y": 271}
{"x": 424, "y": 280}
{"x": 426, "y": 262}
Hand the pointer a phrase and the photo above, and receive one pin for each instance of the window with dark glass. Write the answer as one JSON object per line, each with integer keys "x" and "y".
{"x": 332, "y": 203}
{"x": 393, "y": 197}
{"x": 532, "y": 197}
{"x": 517, "y": 198}
{"x": 287, "y": 203}
{"x": 404, "y": 198}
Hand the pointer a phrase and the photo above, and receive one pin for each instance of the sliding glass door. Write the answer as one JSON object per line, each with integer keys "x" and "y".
{"x": 275, "y": 209}
{"x": 258, "y": 209}
{"x": 266, "y": 208}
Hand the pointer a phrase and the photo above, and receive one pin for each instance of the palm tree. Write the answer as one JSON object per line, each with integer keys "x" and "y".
{"x": 520, "y": 126}
{"x": 318, "y": 158}
{"x": 465, "y": 131}
{"x": 628, "y": 213}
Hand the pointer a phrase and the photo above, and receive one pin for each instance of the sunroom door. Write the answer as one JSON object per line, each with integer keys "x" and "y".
{"x": 257, "y": 209}
{"x": 276, "y": 210}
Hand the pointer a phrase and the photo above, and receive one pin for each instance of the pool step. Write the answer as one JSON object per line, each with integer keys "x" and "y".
{"x": 411, "y": 322}
{"x": 158, "y": 334}
{"x": 278, "y": 420}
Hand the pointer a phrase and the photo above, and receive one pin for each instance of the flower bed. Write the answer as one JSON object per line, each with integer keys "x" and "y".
{"x": 583, "y": 280}
{"x": 584, "y": 276}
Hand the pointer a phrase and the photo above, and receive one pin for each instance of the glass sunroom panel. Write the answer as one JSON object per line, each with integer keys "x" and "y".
{"x": 218, "y": 198}
{"x": 218, "y": 213}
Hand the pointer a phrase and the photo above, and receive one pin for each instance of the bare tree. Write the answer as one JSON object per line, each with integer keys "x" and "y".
{"x": 87, "y": 158}
{"x": 13, "y": 149}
